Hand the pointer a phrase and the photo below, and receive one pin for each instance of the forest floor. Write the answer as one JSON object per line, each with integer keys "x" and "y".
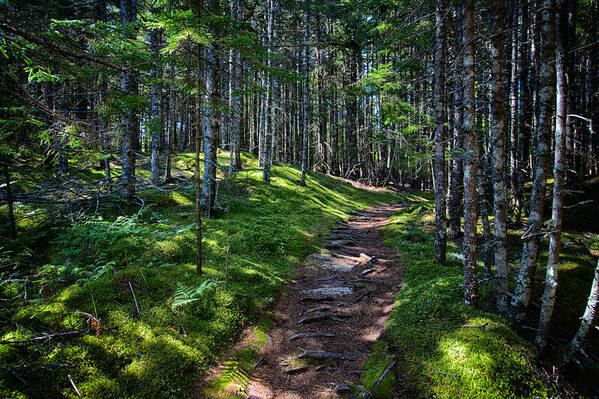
{"x": 326, "y": 321}
{"x": 110, "y": 302}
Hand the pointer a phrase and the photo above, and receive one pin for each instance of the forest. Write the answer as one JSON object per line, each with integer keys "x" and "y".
{"x": 299, "y": 199}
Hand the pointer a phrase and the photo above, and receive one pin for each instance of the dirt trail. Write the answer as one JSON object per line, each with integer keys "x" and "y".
{"x": 326, "y": 321}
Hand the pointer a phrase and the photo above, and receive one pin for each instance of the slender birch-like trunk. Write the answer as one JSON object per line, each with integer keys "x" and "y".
{"x": 559, "y": 176}
{"x": 268, "y": 111}
{"x": 211, "y": 130}
{"x": 589, "y": 318}
{"x": 466, "y": 12}
{"x": 498, "y": 158}
{"x": 546, "y": 98}
{"x": 456, "y": 192}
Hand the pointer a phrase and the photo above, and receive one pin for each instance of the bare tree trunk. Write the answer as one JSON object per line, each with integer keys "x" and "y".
{"x": 470, "y": 156}
{"x": 198, "y": 146}
{"x": 483, "y": 182}
{"x": 306, "y": 99}
{"x": 130, "y": 123}
{"x": 587, "y": 321}
{"x": 525, "y": 122}
{"x": 456, "y": 192}
{"x": 546, "y": 100}
{"x": 439, "y": 160}
{"x": 235, "y": 98}
{"x": 171, "y": 126}
{"x": 559, "y": 175}
{"x": 268, "y": 119}
{"x": 11, "y": 212}
{"x": 211, "y": 130}
{"x": 155, "y": 102}
{"x": 498, "y": 159}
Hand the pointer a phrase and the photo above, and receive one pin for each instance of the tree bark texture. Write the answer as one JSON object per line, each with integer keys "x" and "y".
{"x": 546, "y": 98}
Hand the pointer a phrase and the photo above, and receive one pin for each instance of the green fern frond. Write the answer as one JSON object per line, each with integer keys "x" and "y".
{"x": 185, "y": 295}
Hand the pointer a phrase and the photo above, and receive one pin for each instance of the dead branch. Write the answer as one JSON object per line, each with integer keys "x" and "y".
{"x": 382, "y": 376}
{"x": 41, "y": 338}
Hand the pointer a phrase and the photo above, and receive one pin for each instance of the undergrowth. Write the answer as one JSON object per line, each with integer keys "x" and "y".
{"x": 439, "y": 356}
{"x": 124, "y": 278}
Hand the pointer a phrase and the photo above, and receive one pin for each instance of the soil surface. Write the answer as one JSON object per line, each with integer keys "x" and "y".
{"x": 327, "y": 319}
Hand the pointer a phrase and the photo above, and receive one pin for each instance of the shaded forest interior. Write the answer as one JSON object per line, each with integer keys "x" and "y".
{"x": 167, "y": 164}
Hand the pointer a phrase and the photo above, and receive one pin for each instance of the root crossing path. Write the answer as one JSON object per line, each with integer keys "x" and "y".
{"x": 327, "y": 320}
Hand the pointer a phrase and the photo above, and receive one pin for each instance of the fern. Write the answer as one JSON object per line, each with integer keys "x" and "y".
{"x": 185, "y": 295}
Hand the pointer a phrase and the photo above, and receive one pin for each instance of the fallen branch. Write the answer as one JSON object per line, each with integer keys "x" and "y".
{"x": 382, "y": 376}
{"x": 471, "y": 326}
{"x": 296, "y": 370}
{"x": 41, "y": 338}
{"x": 578, "y": 204}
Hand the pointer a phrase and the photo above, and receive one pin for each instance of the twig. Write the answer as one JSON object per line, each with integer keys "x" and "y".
{"x": 578, "y": 204}
{"x": 15, "y": 374}
{"x": 74, "y": 386}
{"x": 42, "y": 337}
{"x": 382, "y": 377}
{"x": 471, "y": 326}
{"x": 135, "y": 300}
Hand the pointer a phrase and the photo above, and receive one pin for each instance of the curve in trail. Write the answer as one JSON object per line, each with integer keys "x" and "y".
{"x": 327, "y": 320}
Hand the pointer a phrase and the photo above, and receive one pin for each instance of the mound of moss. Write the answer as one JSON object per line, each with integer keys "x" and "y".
{"x": 125, "y": 279}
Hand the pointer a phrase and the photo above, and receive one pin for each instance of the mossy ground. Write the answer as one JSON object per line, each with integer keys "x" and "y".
{"x": 439, "y": 359}
{"x": 91, "y": 265}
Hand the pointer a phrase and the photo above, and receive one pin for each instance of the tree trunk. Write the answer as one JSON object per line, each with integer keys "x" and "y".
{"x": 525, "y": 121}
{"x": 155, "y": 127}
{"x": 546, "y": 98}
{"x": 498, "y": 159}
{"x": 456, "y": 192}
{"x": 589, "y": 318}
{"x": 171, "y": 127}
{"x": 559, "y": 175}
{"x": 439, "y": 160}
{"x": 211, "y": 130}
{"x": 306, "y": 99}
{"x": 11, "y": 212}
{"x": 198, "y": 146}
{"x": 235, "y": 98}
{"x": 130, "y": 123}
{"x": 470, "y": 155}
{"x": 268, "y": 109}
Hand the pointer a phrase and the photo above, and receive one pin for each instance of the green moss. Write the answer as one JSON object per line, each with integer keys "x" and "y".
{"x": 159, "y": 353}
{"x": 438, "y": 358}
{"x": 378, "y": 362}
